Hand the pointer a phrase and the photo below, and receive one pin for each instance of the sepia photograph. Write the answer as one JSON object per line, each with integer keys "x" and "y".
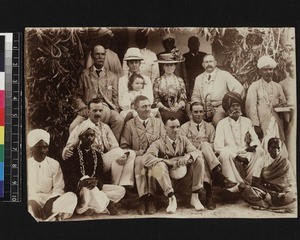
{"x": 174, "y": 122}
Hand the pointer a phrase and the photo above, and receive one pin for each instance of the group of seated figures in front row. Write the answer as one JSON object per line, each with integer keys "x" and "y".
{"x": 148, "y": 139}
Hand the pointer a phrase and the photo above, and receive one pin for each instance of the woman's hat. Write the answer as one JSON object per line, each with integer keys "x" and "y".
{"x": 174, "y": 57}
{"x": 133, "y": 54}
{"x": 178, "y": 173}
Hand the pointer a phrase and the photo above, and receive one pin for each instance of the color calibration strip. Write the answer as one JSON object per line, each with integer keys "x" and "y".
{"x": 13, "y": 120}
{"x": 2, "y": 114}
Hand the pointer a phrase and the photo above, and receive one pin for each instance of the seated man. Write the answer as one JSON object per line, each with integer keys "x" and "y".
{"x": 202, "y": 134}
{"x": 83, "y": 173}
{"x": 274, "y": 175}
{"x": 174, "y": 156}
{"x": 119, "y": 161}
{"x": 97, "y": 81}
{"x": 46, "y": 197}
{"x": 138, "y": 134}
{"x": 237, "y": 142}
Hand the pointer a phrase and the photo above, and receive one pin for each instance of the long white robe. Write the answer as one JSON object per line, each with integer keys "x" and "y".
{"x": 230, "y": 142}
{"x": 45, "y": 181}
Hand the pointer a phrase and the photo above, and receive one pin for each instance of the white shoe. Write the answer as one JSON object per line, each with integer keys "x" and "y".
{"x": 172, "y": 205}
{"x": 195, "y": 202}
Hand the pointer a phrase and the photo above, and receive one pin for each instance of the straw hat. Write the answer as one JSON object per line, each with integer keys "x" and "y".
{"x": 133, "y": 54}
{"x": 173, "y": 57}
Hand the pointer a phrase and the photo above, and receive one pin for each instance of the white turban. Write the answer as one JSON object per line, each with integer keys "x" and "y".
{"x": 168, "y": 35}
{"x": 37, "y": 135}
{"x": 85, "y": 125}
{"x": 266, "y": 61}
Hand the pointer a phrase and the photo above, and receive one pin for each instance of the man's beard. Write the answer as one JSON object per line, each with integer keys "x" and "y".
{"x": 232, "y": 114}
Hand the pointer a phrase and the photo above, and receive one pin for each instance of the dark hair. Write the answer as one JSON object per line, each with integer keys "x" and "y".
{"x": 171, "y": 119}
{"x": 195, "y": 104}
{"x": 93, "y": 47}
{"x": 94, "y": 100}
{"x": 274, "y": 140}
{"x": 193, "y": 39}
{"x": 132, "y": 78}
{"x": 137, "y": 100}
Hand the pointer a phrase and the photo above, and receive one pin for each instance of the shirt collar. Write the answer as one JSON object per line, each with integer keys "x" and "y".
{"x": 171, "y": 139}
{"x": 212, "y": 74}
{"x": 233, "y": 122}
{"x": 94, "y": 69}
{"x": 96, "y": 124}
{"x": 196, "y": 124}
{"x": 141, "y": 120}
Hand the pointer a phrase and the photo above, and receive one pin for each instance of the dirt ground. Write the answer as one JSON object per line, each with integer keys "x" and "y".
{"x": 227, "y": 207}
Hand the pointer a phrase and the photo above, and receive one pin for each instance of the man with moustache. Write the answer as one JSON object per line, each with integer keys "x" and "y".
{"x": 47, "y": 199}
{"x": 138, "y": 134}
{"x": 97, "y": 81}
{"x": 201, "y": 134}
{"x": 237, "y": 143}
{"x": 211, "y": 86}
{"x": 119, "y": 161}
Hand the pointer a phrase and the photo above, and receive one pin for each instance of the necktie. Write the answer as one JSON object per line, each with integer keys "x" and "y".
{"x": 144, "y": 123}
{"x": 98, "y": 71}
{"x": 174, "y": 145}
{"x": 198, "y": 127}
{"x": 209, "y": 77}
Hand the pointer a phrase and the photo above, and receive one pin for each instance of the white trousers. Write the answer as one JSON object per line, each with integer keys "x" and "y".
{"x": 121, "y": 175}
{"x": 98, "y": 200}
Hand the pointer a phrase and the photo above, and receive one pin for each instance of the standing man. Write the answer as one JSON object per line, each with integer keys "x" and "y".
{"x": 103, "y": 36}
{"x": 263, "y": 95}
{"x": 202, "y": 134}
{"x": 193, "y": 63}
{"x": 237, "y": 142}
{"x": 47, "y": 199}
{"x": 138, "y": 134}
{"x": 96, "y": 81}
{"x": 119, "y": 161}
{"x": 133, "y": 58}
{"x": 174, "y": 156}
{"x": 211, "y": 86}
{"x": 149, "y": 66}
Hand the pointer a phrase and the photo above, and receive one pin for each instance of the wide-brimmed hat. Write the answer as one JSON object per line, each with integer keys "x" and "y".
{"x": 174, "y": 57}
{"x": 133, "y": 54}
{"x": 178, "y": 173}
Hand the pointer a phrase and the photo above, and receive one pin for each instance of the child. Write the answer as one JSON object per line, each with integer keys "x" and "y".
{"x": 46, "y": 197}
{"x": 83, "y": 173}
{"x": 136, "y": 85}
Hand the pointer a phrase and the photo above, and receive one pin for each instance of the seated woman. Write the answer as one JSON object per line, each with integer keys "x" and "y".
{"x": 169, "y": 90}
{"x": 83, "y": 173}
{"x": 136, "y": 85}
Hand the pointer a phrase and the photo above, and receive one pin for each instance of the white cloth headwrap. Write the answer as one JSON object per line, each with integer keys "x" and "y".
{"x": 37, "y": 135}
{"x": 85, "y": 126}
{"x": 266, "y": 61}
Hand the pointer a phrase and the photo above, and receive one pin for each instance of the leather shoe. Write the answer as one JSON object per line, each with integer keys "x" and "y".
{"x": 141, "y": 208}
{"x": 226, "y": 183}
{"x": 210, "y": 203}
{"x": 151, "y": 209}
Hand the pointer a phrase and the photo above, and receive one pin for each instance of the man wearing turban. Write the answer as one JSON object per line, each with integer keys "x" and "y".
{"x": 46, "y": 197}
{"x": 263, "y": 95}
{"x": 83, "y": 174}
{"x": 119, "y": 161}
{"x": 236, "y": 142}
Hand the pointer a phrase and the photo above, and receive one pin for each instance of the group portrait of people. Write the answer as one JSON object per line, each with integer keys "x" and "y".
{"x": 167, "y": 124}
